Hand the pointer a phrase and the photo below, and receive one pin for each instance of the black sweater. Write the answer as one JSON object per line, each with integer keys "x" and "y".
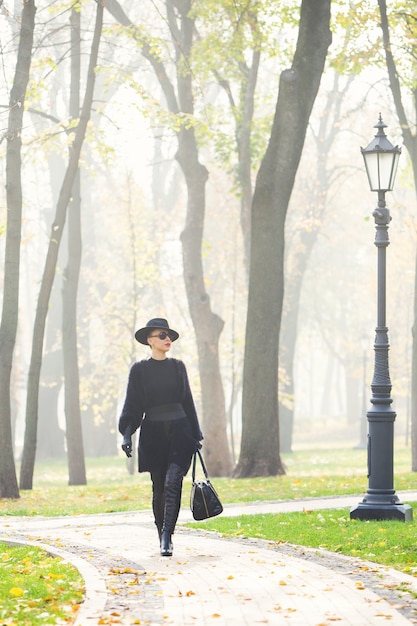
{"x": 154, "y": 383}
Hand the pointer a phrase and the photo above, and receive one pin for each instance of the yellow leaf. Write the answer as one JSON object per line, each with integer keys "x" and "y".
{"x": 16, "y": 592}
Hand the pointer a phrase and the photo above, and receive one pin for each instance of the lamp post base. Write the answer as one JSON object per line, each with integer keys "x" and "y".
{"x": 381, "y": 512}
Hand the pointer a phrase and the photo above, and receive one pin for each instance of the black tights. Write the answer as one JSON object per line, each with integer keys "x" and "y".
{"x": 166, "y": 497}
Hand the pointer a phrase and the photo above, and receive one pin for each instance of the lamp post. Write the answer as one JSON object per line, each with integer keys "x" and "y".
{"x": 380, "y": 501}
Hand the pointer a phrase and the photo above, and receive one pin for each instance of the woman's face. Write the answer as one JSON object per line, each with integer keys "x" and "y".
{"x": 160, "y": 341}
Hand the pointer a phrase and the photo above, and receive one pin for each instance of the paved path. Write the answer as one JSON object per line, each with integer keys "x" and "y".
{"x": 211, "y": 580}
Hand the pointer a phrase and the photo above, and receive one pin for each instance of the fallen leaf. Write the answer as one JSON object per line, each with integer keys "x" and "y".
{"x": 16, "y": 592}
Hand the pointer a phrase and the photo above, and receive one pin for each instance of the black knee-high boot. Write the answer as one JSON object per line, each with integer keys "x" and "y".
{"x": 173, "y": 490}
{"x": 158, "y": 500}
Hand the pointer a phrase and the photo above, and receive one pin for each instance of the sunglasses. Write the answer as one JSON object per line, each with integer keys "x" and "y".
{"x": 162, "y": 335}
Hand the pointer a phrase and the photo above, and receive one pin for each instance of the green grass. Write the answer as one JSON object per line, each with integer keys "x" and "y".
{"x": 392, "y": 543}
{"x": 36, "y": 588}
{"x": 110, "y": 488}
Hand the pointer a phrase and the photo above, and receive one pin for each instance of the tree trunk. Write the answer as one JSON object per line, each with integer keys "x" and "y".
{"x": 288, "y": 336}
{"x": 8, "y": 328}
{"x": 50, "y": 435}
{"x": 29, "y": 447}
{"x": 298, "y": 88}
{"x": 410, "y": 142}
{"x": 74, "y": 435}
{"x": 207, "y": 325}
{"x": 243, "y": 115}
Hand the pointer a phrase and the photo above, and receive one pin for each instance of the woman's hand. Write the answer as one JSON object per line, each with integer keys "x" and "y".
{"x": 127, "y": 445}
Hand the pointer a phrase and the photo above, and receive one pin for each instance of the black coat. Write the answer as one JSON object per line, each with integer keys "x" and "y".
{"x": 152, "y": 447}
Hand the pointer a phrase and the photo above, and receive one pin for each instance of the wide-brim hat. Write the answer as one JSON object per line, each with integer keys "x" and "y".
{"x": 142, "y": 334}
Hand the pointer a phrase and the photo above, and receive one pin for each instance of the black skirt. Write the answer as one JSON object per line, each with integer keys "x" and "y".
{"x": 165, "y": 442}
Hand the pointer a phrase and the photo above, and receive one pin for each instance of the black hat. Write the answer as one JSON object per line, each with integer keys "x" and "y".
{"x": 142, "y": 334}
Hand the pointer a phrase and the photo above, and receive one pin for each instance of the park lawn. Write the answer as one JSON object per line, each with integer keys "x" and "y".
{"x": 111, "y": 488}
{"x": 36, "y": 588}
{"x": 390, "y": 543}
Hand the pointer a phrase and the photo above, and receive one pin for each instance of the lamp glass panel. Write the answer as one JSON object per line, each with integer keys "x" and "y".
{"x": 372, "y": 169}
{"x": 386, "y": 162}
{"x": 394, "y": 169}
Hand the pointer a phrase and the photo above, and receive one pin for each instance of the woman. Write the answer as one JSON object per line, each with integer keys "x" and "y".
{"x": 160, "y": 402}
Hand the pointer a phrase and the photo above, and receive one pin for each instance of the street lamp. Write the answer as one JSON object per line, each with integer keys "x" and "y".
{"x": 380, "y": 501}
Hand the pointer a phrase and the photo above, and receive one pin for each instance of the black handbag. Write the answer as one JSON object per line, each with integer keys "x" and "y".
{"x": 204, "y": 501}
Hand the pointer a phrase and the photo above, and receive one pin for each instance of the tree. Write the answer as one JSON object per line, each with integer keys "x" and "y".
{"x": 405, "y": 13}
{"x": 304, "y": 229}
{"x": 207, "y": 324}
{"x": 29, "y": 448}
{"x": 298, "y": 88}
{"x": 74, "y": 435}
{"x": 8, "y": 327}
{"x": 231, "y": 41}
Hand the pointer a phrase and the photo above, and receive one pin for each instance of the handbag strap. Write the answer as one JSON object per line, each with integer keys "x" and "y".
{"x": 200, "y": 456}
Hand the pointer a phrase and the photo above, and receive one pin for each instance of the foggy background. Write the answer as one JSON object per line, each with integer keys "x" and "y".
{"x": 133, "y": 209}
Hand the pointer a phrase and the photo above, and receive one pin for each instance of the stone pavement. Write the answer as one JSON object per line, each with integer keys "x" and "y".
{"x": 213, "y": 580}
